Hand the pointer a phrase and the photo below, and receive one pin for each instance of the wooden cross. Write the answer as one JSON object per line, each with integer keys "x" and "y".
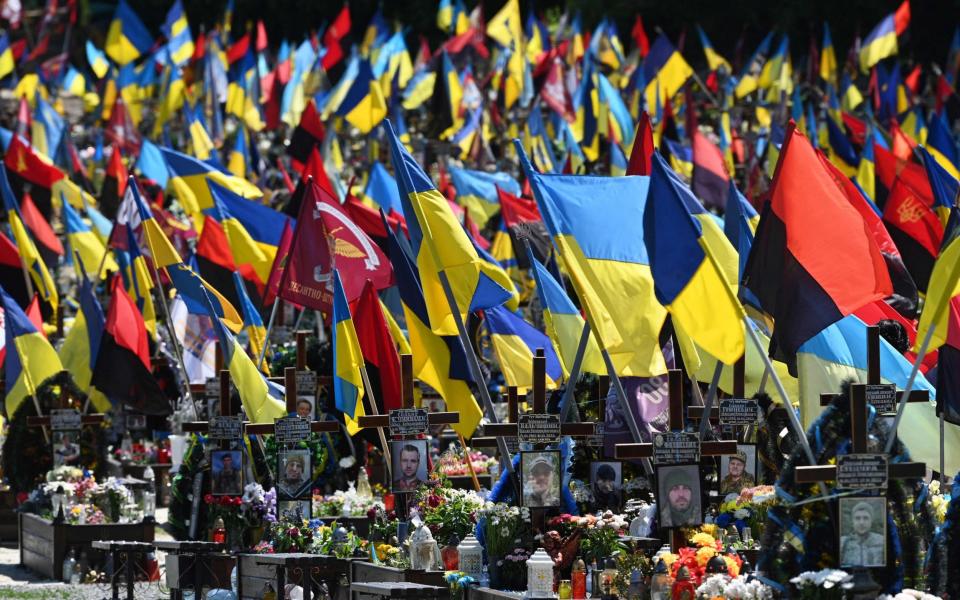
{"x": 66, "y": 402}
{"x": 873, "y": 371}
{"x": 322, "y": 380}
{"x": 290, "y": 395}
{"x": 644, "y": 450}
{"x": 858, "y": 435}
{"x": 739, "y": 391}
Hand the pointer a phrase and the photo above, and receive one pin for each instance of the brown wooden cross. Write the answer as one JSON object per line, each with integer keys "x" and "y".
{"x": 858, "y": 435}
{"x": 739, "y": 391}
{"x": 290, "y": 396}
{"x": 67, "y": 401}
{"x": 378, "y": 421}
{"x": 873, "y": 371}
{"x": 322, "y": 380}
{"x": 644, "y": 450}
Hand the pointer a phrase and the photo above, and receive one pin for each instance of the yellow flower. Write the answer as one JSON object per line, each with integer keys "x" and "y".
{"x": 704, "y": 554}
{"x": 732, "y": 565}
{"x": 669, "y": 558}
{"x": 702, "y": 539}
{"x": 709, "y": 528}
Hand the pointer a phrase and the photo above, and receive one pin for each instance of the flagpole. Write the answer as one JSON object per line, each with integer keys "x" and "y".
{"x": 708, "y": 403}
{"x": 266, "y": 336}
{"x": 173, "y": 334}
{"x": 568, "y": 400}
{"x": 373, "y": 409}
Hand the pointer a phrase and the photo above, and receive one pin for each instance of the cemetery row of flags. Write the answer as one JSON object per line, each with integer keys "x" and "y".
{"x": 882, "y": 167}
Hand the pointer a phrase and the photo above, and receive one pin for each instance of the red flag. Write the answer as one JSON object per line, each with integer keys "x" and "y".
{"x": 793, "y": 269}
{"x": 238, "y": 49}
{"x": 369, "y": 220}
{"x": 307, "y": 279}
{"x": 377, "y": 347}
{"x": 200, "y": 48}
{"x": 640, "y": 36}
{"x": 915, "y": 229}
{"x": 902, "y": 145}
{"x": 125, "y": 323}
{"x": 279, "y": 263}
{"x": 901, "y": 18}
{"x": 120, "y": 129}
{"x": 315, "y": 168}
{"x": 23, "y": 160}
{"x": 39, "y": 226}
{"x": 307, "y": 135}
{"x": 286, "y": 176}
{"x": 642, "y": 147}
{"x": 912, "y": 81}
{"x": 261, "y": 36}
{"x": 890, "y": 167}
{"x": 114, "y": 184}
{"x": 555, "y": 94}
{"x": 331, "y": 39}
{"x": 33, "y": 313}
{"x": 356, "y": 256}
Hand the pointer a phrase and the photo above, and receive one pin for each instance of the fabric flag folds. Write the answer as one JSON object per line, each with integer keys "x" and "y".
{"x": 30, "y": 359}
{"x": 348, "y": 388}
{"x": 515, "y": 343}
{"x": 793, "y": 268}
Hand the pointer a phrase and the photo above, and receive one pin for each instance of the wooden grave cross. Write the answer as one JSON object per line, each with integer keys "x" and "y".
{"x": 66, "y": 419}
{"x": 645, "y": 450}
{"x": 858, "y": 435}
{"x": 873, "y": 377}
{"x": 306, "y": 380}
{"x": 381, "y": 422}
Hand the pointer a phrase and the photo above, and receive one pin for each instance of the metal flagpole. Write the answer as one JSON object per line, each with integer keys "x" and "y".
{"x": 373, "y": 408}
{"x": 567, "y": 403}
{"x": 266, "y": 337}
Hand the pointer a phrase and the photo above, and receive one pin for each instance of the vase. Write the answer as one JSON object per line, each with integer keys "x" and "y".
{"x": 494, "y": 571}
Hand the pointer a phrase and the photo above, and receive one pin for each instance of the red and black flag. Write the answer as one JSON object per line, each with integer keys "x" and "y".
{"x": 914, "y": 228}
{"x": 114, "y": 184}
{"x": 122, "y": 370}
{"x": 813, "y": 260}
{"x": 216, "y": 265}
{"x": 306, "y": 136}
{"x": 642, "y": 152}
{"x": 379, "y": 353}
{"x": 11, "y": 272}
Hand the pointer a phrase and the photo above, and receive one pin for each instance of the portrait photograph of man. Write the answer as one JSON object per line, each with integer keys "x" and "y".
{"x": 607, "y": 485}
{"x": 227, "y": 467}
{"x": 863, "y": 532}
{"x": 541, "y": 478}
{"x": 678, "y": 496}
{"x": 305, "y": 407}
{"x": 293, "y": 474}
{"x": 409, "y": 458}
{"x": 739, "y": 470}
{"x": 66, "y": 451}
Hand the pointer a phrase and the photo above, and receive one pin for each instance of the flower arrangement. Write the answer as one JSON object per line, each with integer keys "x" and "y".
{"x": 65, "y": 473}
{"x": 453, "y": 463}
{"x": 825, "y": 584}
{"x": 383, "y": 523}
{"x": 391, "y": 556}
{"x": 87, "y": 501}
{"x": 343, "y": 503}
{"x": 226, "y": 508}
{"x": 939, "y": 500}
{"x": 696, "y": 558}
{"x": 503, "y": 527}
{"x": 512, "y": 569}
{"x": 457, "y": 580}
{"x": 722, "y": 587}
{"x": 311, "y": 536}
{"x": 138, "y": 454}
{"x": 909, "y": 594}
{"x": 258, "y": 506}
{"x": 747, "y": 509}
{"x": 447, "y": 511}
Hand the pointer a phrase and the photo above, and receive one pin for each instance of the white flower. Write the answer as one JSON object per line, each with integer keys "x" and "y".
{"x": 741, "y": 513}
{"x": 347, "y": 461}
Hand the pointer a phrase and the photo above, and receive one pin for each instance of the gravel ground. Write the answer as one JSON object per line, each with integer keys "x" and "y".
{"x": 18, "y": 583}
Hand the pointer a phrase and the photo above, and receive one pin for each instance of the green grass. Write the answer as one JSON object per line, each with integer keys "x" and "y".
{"x": 21, "y": 593}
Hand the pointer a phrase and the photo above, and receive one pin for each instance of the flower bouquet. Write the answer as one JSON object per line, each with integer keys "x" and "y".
{"x": 453, "y": 463}
{"x": 747, "y": 509}
{"x": 696, "y": 559}
{"x": 343, "y": 503}
{"x": 722, "y": 587}
{"x": 511, "y": 570}
{"x": 458, "y": 580}
{"x": 825, "y": 584}
{"x": 447, "y": 511}
{"x": 503, "y": 528}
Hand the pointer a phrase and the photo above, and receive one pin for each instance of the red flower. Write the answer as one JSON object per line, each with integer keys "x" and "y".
{"x": 208, "y": 499}
{"x": 433, "y": 500}
{"x": 237, "y": 500}
{"x": 22, "y": 497}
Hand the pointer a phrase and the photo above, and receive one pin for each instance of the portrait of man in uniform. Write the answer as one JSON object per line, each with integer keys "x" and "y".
{"x": 863, "y": 524}
{"x": 679, "y": 496}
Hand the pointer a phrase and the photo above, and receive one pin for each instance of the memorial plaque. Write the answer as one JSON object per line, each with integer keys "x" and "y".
{"x": 883, "y": 397}
{"x": 306, "y": 382}
{"x": 675, "y": 448}
{"x": 65, "y": 419}
{"x": 536, "y": 428}
{"x": 225, "y": 428}
{"x": 739, "y": 411}
{"x": 211, "y": 389}
{"x": 290, "y": 430}
{"x": 408, "y": 421}
{"x": 596, "y": 440}
{"x": 862, "y": 471}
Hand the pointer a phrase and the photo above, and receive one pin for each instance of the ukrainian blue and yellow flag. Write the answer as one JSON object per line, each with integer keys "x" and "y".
{"x": 828, "y": 58}
{"x": 586, "y": 103}
{"x": 42, "y": 281}
{"x": 867, "y": 168}
{"x": 881, "y": 42}
{"x": 262, "y": 400}
{"x": 536, "y": 141}
{"x": 850, "y": 96}
{"x": 158, "y": 247}
{"x": 30, "y": 359}
{"x": 202, "y": 298}
{"x": 245, "y": 250}
{"x": 608, "y": 266}
{"x": 506, "y": 27}
{"x": 237, "y": 160}
{"x": 74, "y": 82}
{"x": 515, "y": 343}
{"x": 740, "y": 222}
{"x": 944, "y": 186}
{"x": 47, "y": 128}
{"x": 85, "y": 245}
{"x": 348, "y": 387}
{"x": 363, "y": 106}
{"x": 440, "y": 244}
{"x": 7, "y": 64}
{"x": 177, "y": 29}
{"x": 82, "y": 344}
{"x": 252, "y": 321}
{"x": 664, "y": 70}
{"x": 618, "y": 160}
{"x": 619, "y": 124}
{"x": 382, "y": 189}
{"x": 189, "y": 177}
{"x": 941, "y": 145}
{"x": 564, "y": 323}
{"x": 714, "y": 60}
{"x": 477, "y": 191}
{"x": 127, "y": 37}
{"x": 438, "y": 361}
{"x": 200, "y": 142}
{"x": 750, "y": 76}
{"x": 97, "y": 59}
{"x": 694, "y": 267}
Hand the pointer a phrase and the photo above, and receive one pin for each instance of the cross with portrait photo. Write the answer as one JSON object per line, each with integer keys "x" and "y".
{"x": 294, "y": 471}
{"x": 607, "y": 485}
{"x": 678, "y": 496}
{"x": 227, "y": 470}
{"x": 863, "y": 532}
{"x": 409, "y": 465}
{"x": 738, "y": 470}
{"x": 541, "y": 478}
